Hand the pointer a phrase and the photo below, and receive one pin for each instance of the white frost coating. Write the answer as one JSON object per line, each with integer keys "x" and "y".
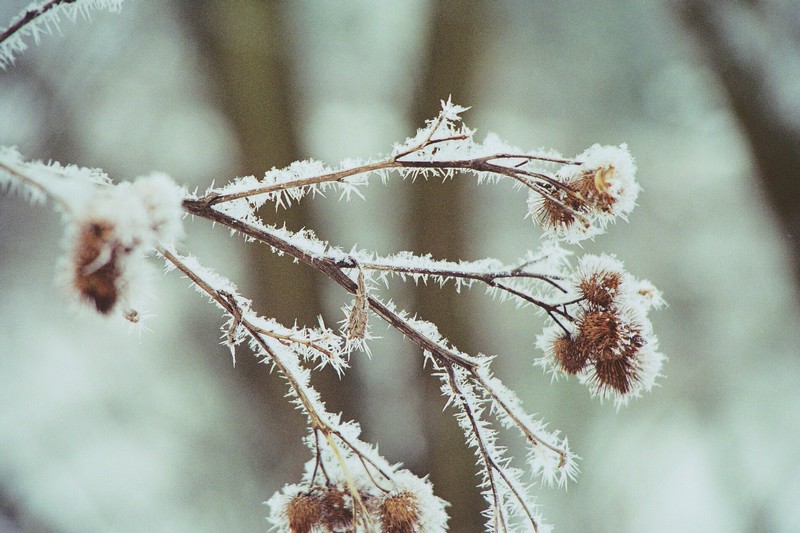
{"x": 70, "y": 186}
{"x": 549, "y": 457}
{"x": 44, "y": 18}
{"x": 144, "y": 213}
{"x": 508, "y": 498}
{"x": 162, "y": 200}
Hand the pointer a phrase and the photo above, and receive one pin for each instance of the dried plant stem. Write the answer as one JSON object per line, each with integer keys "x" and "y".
{"x": 488, "y": 278}
{"x": 480, "y": 164}
{"x": 490, "y": 464}
{"x": 330, "y": 268}
{"x": 36, "y": 185}
{"x": 29, "y": 16}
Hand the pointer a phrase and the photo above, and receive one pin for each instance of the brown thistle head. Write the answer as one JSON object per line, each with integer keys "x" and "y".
{"x": 399, "y": 513}
{"x": 96, "y": 270}
{"x": 337, "y": 511}
{"x": 303, "y": 512}
{"x": 569, "y": 355}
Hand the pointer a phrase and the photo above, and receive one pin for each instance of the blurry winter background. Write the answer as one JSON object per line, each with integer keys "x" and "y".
{"x": 108, "y": 428}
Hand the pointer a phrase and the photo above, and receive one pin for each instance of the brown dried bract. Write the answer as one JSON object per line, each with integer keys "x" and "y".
{"x": 600, "y": 332}
{"x": 593, "y": 185}
{"x": 569, "y": 355}
{"x": 357, "y": 321}
{"x": 399, "y": 514}
{"x": 336, "y": 510}
{"x": 558, "y": 210}
{"x": 96, "y": 269}
{"x": 601, "y": 288}
{"x": 618, "y": 374}
{"x": 304, "y": 512}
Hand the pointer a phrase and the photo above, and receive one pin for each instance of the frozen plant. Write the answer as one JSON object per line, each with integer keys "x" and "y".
{"x": 595, "y": 313}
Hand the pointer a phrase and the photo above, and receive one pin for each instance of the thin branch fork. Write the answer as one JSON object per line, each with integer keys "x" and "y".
{"x": 488, "y": 460}
{"x": 490, "y": 279}
{"x": 334, "y": 272}
{"x": 516, "y": 272}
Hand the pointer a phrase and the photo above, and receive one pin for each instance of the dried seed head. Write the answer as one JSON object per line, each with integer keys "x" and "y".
{"x": 399, "y": 513}
{"x": 600, "y": 334}
{"x": 568, "y": 354}
{"x": 95, "y": 265}
{"x": 594, "y": 184}
{"x": 607, "y": 180}
{"x": 357, "y": 321}
{"x": 600, "y": 288}
{"x": 337, "y": 511}
{"x": 619, "y": 375}
{"x": 304, "y": 511}
{"x": 558, "y": 211}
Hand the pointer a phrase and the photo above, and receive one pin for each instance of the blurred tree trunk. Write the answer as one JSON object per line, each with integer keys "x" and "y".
{"x": 436, "y": 217}
{"x": 754, "y": 47}
{"x": 244, "y": 44}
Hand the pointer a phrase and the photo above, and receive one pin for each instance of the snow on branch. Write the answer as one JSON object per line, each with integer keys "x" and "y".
{"x": 43, "y": 17}
{"x": 574, "y": 203}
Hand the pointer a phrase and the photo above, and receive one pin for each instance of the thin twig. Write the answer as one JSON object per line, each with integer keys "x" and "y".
{"x": 29, "y": 16}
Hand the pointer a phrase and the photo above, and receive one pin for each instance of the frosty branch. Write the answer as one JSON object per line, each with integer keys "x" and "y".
{"x": 595, "y": 314}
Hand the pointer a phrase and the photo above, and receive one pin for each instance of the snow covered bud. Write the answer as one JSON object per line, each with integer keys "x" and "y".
{"x": 589, "y": 195}
{"x": 399, "y": 513}
{"x": 112, "y": 231}
{"x": 304, "y": 512}
{"x": 97, "y": 265}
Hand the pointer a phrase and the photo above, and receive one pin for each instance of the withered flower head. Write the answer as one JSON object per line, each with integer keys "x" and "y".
{"x": 304, "y": 511}
{"x": 600, "y": 288}
{"x": 558, "y": 210}
{"x": 337, "y": 511}
{"x": 602, "y": 334}
{"x": 399, "y": 513}
{"x": 568, "y": 354}
{"x": 96, "y": 270}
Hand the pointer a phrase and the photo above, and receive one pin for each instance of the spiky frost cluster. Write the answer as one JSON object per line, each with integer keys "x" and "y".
{"x": 403, "y": 504}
